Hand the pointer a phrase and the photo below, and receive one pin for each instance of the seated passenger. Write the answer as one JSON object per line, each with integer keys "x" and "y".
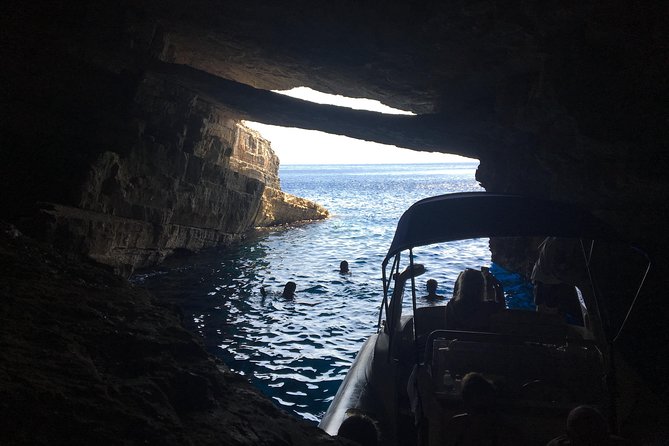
{"x": 470, "y": 309}
{"x": 586, "y": 426}
{"x": 558, "y": 298}
{"x": 361, "y": 429}
{"x": 551, "y": 274}
{"x": 482, "y": 425}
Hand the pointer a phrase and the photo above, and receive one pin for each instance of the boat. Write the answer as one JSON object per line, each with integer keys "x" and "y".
{"x": 408, "y": 377}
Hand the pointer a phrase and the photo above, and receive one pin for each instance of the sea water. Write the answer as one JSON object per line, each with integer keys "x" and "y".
{"x": 298, "y": 351}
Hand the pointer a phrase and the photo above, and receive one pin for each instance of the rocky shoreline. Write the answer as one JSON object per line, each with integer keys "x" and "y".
{"x": 88, "y": 358}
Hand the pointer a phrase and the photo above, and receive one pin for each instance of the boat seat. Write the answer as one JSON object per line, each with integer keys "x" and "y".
{"x": 429, "y": 319}
{"x": 575, "y": 369}
{"x": 529, "y": 323}
{"x": 522, "y": 362}
{"x": 479, "y": 429}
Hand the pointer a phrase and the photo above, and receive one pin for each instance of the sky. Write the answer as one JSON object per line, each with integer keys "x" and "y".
{"x": 299, "y": 146}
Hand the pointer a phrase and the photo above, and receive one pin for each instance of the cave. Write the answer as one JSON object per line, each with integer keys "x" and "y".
{"x": 123, "y": 143}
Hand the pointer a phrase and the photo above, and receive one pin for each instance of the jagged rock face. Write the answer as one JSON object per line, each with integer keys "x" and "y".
{"x": 280, "y": 208}
{"x": 192, "y": 178}
{"x": 558, "y": 100}
{"x": 89, "y": 359}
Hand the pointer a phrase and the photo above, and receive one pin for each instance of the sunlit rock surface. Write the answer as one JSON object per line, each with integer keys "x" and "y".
{"x": 279, "y": 208}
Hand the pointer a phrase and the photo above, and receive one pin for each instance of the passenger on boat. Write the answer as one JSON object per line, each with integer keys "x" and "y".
{"x": 343, "y": 267}
{"x": 559, "y": 298}
{"x": 431, "y": 286}
{"x": 361, "y": 429}
{"x": 551, "y": 293}
{"x": 586, "y": 426}
{"x": 471, "y": 307}
{"x": 482, "y": 424}
{"x": 289, "y": 290}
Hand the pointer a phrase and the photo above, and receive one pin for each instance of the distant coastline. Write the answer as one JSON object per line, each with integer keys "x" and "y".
{"x": 462, "y": 163}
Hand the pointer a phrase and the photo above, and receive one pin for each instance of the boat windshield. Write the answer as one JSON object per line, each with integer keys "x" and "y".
{"x": 462, "y": 284}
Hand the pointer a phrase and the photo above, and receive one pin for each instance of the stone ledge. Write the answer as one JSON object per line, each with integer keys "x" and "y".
{"x": 278, "y": 208}
{"x": 123, "y": 243}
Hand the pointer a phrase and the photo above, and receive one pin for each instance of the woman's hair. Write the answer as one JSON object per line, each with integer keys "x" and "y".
{"x": 478, "y": 393}
{"x": 587, "y": 425}
{"x": 360, "y": 428}
{"x": 469, "y": 286}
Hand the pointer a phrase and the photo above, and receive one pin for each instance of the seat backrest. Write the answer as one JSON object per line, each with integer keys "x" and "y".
{"x": 428, "y": 319}
{"x": 515, "y": 363}
{"x": 529, "y": 323}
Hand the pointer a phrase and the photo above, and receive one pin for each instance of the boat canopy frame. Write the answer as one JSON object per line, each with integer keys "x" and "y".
{"x": 468, "y": 215}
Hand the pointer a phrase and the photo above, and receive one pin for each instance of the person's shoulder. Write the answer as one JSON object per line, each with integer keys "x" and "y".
{"x": 615, "y": 440}
{"x": 562, "y": 440}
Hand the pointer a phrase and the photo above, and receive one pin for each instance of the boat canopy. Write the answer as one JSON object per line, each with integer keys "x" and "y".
{"x": 480, "y": 214}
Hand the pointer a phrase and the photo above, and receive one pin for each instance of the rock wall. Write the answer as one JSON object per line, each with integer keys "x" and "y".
{"x": 280, "y": 208}
{"x": 558, "y": 100}
{"x": 89, "y": 359}
{"x": 191, "y": 177}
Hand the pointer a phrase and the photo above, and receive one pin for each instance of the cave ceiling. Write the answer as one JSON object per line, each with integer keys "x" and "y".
{"x": 482, "y": 76}
{"x": 563, "y": 100}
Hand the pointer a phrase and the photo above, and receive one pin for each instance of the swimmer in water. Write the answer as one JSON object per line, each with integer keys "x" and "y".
{"x": 431, "y": 286}
{"x": 289, "y": 290}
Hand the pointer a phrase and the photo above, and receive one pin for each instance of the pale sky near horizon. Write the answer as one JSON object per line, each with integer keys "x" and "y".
{"x": 299, "y": 146}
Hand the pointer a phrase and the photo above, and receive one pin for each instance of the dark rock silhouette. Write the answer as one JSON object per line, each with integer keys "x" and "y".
{"x": 121, "y": 137}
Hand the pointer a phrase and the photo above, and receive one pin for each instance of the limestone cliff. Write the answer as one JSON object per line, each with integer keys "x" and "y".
{"x": 194, "y": 177}
{"x": 279, "y": 208}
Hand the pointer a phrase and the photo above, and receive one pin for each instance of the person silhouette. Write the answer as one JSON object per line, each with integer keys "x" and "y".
{"x": 343, "y": 267}
{"x": 289, "y": 290}
{"x": 468, "y": 309}
{"x": 586, "y": 426}
{"x": 361, "y": 429}
{"x": 431, "y": 286}
{"x": 482, "y": 424}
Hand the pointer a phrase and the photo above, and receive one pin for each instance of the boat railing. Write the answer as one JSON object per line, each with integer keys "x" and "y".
{"x": 500, "y": 339}
{"x": 564, "y": 369}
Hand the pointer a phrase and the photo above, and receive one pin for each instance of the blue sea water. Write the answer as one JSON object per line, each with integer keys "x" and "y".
{"x": 297, "y": 352}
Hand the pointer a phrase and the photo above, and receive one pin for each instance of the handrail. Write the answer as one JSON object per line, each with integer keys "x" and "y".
{"x": 498, "y": 338}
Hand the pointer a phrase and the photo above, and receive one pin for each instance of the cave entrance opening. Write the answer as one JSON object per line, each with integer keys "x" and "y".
{"x": 300, "y": 146}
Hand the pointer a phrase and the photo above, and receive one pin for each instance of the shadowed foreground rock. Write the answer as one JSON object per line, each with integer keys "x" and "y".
{"x": 89, "y": 359}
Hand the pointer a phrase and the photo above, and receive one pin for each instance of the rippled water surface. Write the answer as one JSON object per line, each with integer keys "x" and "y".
{"x": 297, "y": 352}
